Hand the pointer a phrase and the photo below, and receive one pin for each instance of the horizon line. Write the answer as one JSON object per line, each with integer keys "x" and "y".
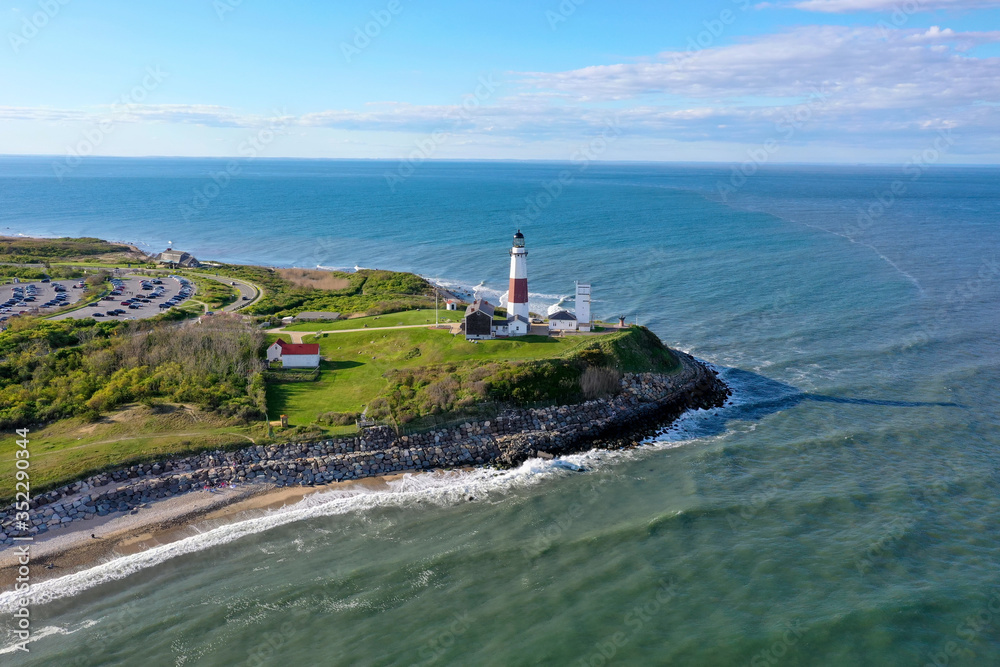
{"x": 478, "y": 160}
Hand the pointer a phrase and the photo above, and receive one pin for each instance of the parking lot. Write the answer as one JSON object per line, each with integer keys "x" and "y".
{"x": 37, "y": 298}
{"x": 136, "y": 297}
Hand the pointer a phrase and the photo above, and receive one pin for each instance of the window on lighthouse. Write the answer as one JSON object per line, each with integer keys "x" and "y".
{"x": 519, "y": 239}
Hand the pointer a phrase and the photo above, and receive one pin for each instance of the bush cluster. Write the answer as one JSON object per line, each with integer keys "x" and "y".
{"x": 368, "y": 291}
{"x": 591, "y": 371}
{"x": 55, "y": 369}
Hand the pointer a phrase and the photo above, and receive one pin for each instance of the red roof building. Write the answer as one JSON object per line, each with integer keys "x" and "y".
{"x": 294, "y": 355}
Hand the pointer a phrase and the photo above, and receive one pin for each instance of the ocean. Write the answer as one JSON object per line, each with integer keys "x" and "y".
{"x": 842, "y": 509}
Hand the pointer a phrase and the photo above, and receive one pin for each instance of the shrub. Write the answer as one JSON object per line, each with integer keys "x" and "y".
{"x": 338, "y": 418}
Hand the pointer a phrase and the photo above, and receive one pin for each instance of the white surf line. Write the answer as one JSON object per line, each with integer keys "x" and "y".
{"x": 438, "y": 488}
{"x": 434, "y": 487}
{"x": 441, "y": 488}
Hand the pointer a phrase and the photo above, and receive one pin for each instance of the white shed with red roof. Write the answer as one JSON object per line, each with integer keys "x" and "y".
{"x": 294, "y": 355}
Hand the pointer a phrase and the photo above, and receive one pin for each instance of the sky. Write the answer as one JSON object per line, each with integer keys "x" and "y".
{"x": 820, "y": 81}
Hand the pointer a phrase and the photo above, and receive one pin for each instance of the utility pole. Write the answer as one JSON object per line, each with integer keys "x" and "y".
{"x": 435, "y": 306}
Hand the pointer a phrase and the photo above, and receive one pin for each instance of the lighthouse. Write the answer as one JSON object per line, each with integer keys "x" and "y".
{"x": 517, "y": 296}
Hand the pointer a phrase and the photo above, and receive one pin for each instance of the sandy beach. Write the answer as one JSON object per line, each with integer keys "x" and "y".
{"x": 89, "y": 543}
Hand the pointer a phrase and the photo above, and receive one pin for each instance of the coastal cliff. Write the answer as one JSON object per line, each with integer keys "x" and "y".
{"x": 646, "y": 403}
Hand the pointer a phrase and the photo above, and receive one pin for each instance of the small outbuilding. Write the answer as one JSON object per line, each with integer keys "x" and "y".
{"x": 562, "y": 320}
{"x": 518, "y": 325}
{"x": 294, "y": 355}
{"x": 479, "y": 320}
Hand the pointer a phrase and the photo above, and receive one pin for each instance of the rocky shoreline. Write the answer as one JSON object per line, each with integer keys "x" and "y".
{"x": 645, "y": 404}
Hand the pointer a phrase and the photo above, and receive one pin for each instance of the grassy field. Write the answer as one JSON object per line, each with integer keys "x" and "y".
{"x": 353, "y": 376}
{"x": 391, "y": 320}
{"x": 70, "y": 448}
{"x": 31, "y": 250}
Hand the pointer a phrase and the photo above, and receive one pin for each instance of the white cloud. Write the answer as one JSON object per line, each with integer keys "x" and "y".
{"x": 191, "y": 114}
{"x": 835, "y": 85}
{"x": 871, "y": 62}
{"x": 904, "y": 6}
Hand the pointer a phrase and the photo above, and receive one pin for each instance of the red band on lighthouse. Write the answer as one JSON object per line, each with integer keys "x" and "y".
{"x": 518, "y": 291}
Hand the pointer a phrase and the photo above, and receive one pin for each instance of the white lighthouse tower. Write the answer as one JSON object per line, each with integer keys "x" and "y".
{"x": 517, "y": 296}
{"x": 583, "y": 306}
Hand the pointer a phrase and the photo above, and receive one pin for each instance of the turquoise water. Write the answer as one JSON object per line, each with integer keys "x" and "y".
{"x": 843, "y": 509}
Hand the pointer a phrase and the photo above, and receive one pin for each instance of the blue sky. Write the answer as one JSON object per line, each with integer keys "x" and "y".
{"x": 801, "y": 80}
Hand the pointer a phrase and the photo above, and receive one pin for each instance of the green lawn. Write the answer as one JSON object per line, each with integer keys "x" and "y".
{"x": 391, "y": 320}
{"x": 69, "y": 448}
{"x": 352, "y": 376}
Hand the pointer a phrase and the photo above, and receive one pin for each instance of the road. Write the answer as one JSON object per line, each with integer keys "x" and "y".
{"x": 246, "y": 289}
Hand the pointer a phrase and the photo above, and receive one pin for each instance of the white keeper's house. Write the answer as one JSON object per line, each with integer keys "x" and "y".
{"x": 562, "y": 321}
{"x": 294, "y": 355}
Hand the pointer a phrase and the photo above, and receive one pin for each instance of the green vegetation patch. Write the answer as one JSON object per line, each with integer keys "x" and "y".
{"x": 84, "y": 368}
{"x": 213, "y": 293}
{"x": 408, "y": 375}
{"x": 74, "y": 448}
{"x": 29, "y": 250}
{"x": 591, "y": 369}
{"x": 367, "y": 291}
